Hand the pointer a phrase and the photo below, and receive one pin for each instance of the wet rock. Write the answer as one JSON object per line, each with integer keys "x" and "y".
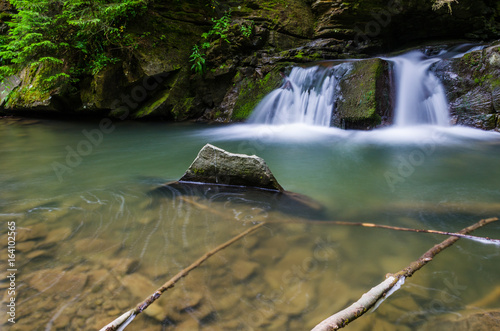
{"x": 63, "y": 321}
{"x": 384, "y": 325}
{"x": 124, "y": 266}
{"x": 98, "y": 276}
{"x": 228, "y": 301}
{"x": 216, "y": 166}
{"x": 57, "y": 235}
{"x": 279, "y": 322}
{"x": 188, "y": 300}
{"x": 477, "y": 321}
{"x": 296, "y": 299}
{"x": 270, "y": 251}
{"x": 91, "y": 245}
{"x": 257, "y": 201}
{"x": 241, "y": 269}
{"x": 36, "y": 254}
{"x": 205, "y": 313}
{"x": 472, "y": 87}
{"x": 25, "y": 246}
{"x": 366, "y": 92}
{"x": 189, "y": 324}
{"x": 154, "y": 311}
{"x": 138, "y": 285}
{"x": 36, "y": 231}
{"x": 58, "y": 282}
{"x": 250, "y": 242}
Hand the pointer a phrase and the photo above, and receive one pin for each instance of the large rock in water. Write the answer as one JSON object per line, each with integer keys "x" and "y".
{"x": 214, "y": 165}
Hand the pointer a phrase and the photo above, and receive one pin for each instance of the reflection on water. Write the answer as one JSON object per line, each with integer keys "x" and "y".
{"x": 97, "y": 242}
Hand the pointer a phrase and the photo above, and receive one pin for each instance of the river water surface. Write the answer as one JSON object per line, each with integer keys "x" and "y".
{"x": 95, "y": 238}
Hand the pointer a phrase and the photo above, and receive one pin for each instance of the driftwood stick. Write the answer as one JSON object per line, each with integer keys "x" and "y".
{"x": 128, "y": 316}
{"x": 369, "y": 299}
{"x": 398, "y": 228}
{"x": 363, "y": 224}
{"x": 214, "y": 211}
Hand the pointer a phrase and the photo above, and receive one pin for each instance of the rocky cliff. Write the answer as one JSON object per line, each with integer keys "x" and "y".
{"x": 154, "y": 79}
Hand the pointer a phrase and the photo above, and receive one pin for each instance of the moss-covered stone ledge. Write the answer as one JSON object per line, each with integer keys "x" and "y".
{"x": 366, "y": 99}
{"x": 472, "y": 85}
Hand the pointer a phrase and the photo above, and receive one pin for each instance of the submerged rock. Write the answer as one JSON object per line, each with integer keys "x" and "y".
{"x": 478, "y": 321}
{"x": 241, "y": 180}
{"x": 214, "y": 165}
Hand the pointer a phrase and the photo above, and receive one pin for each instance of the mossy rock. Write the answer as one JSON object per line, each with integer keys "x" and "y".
{"x": 364, "y": 96}
{"x": 252, "y": 91}
{"x": 30, "y": 91}
{"x": 214, "y": 165}
{"x": 472, "y": 83}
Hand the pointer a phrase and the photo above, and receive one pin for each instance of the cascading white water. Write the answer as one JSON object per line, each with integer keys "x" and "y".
{"x": 420, "y": 96}
{"x": 307, "y": 96}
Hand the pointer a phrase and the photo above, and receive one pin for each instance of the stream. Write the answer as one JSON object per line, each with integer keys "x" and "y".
{"x": 94, "y": 237}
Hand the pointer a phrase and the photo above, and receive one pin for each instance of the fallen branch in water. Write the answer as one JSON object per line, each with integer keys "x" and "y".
{"x": 391, "y": 283}
{"x": 214, "y": 211}
{"x": 121, "y": 322}
{"x": 485, "y": 240}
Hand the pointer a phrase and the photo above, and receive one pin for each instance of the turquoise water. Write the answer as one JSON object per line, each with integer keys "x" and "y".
{"x": 94, "y": 238}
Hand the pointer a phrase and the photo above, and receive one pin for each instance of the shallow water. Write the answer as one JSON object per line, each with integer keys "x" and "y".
{"x": 96, "y": 239}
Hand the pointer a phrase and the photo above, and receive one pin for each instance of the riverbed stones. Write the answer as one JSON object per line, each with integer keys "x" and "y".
{"x": 477, "y": 321}
{"x": 243, "y": 269}
{"x": 58, "y": 282}
{"x": 214, "y": 165}
{"x": 138, "y": 285}
{"x": 36, "y": 231}
{"x": 57, "y": 235}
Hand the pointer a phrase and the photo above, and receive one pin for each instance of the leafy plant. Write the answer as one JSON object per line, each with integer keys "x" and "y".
{"x": 198, "y": 60}
{"x": 440, "y": 3}
{"x": 246, "y": 29}
{"x": 220, "y": 27}
{"x": 53, "y": 34}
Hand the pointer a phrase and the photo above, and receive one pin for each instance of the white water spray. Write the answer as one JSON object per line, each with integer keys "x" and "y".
{"x": 307, "y": 96}
{"x": 420, "y": 96}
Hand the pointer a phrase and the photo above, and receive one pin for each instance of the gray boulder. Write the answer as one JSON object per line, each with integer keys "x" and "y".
{"x": 214, "y": 165}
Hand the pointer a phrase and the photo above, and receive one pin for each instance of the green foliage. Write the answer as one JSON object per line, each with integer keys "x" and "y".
{"x": 246, "y": 29}
{"x": 220, "y": 28}
{"x": 198, "y": 60}
{"x": 220, "y": 31}
{"x": 55, "y": 33}
{"x": 440, "y": 3}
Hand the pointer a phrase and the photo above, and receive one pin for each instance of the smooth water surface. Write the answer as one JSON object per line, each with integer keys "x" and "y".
{"x": 96, "y": 237}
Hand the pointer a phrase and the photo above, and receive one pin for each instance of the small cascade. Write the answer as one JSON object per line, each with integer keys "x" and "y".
{"x": 307, "y": 96}
{"x": 420, "y": 96}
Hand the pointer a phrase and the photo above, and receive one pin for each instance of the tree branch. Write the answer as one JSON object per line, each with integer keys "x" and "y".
{"x": 369, "y": 299}
{"x": 122, "y": 321}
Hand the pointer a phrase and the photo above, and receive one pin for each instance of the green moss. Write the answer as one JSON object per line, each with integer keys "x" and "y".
{"x": 252, "y": 92}
{"x": 359, "y": 89}
{"x": 198, "y": 171}
{"x": 149, "y": 108}
{"x": 182, "y": 108}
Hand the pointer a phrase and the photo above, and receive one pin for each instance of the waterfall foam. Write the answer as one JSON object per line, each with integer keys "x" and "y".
{"x": 307, "y": 96}
{"x": 420, "y": 96}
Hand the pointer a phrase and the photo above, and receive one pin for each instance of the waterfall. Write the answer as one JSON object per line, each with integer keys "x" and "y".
{"x": 420, "y": 96}
{"x": 307, "y": 96}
